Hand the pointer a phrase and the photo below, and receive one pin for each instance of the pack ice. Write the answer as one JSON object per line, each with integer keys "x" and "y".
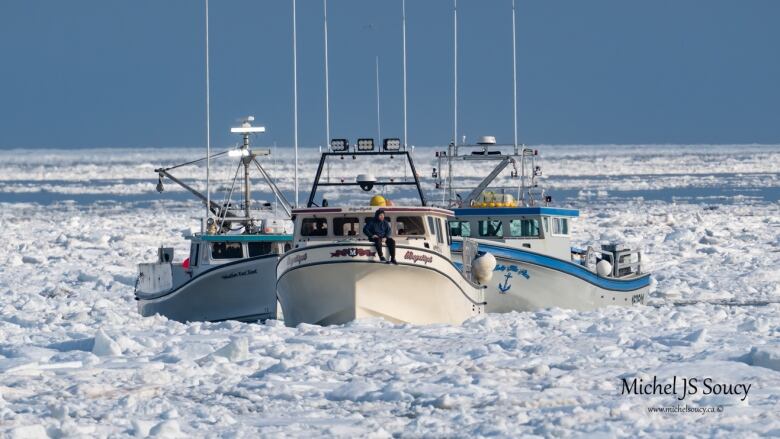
{"x": 76, "y": 360}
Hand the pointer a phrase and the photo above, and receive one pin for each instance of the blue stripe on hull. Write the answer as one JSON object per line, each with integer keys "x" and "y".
{"x": 566, "y": 267}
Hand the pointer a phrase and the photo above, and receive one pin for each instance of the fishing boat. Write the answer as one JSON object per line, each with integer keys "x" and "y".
{"x": 333, "y": 273}
{"x": 536, "y": 267}
{"x": 230, "y": 273}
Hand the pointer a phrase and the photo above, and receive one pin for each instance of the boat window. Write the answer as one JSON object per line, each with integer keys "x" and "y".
{"x": 410, "y": 226}
{"x": 546, "y": 223}
{"x": 560, "y": 226}
{"x": 490, "y": 228}
{"x": 314, "y": 227}
{"x": 226, "y": 250}
{"x": 431, "y": 226}
{"x": 524, "y": 228}
{"x": 460, "y": 228}
{"x": 439, "y": 232}
{"x": 349, "y": 226}
{"x": 260, "y": 248}
{"x": 194, "y": 250}
{"x": 444, "y": 231}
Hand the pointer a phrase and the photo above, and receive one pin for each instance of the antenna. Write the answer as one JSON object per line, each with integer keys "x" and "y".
{"x": 208, "y": 122}
{"x": 327, "y": 87}
{"x": 295, "y": 101}
{"x": 514, "y": 73}
{"x": 403, "y": 13}
{"x": 378, "y": 122}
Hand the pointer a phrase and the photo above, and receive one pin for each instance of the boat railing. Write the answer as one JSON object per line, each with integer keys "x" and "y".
{"x": 624, "y": 261}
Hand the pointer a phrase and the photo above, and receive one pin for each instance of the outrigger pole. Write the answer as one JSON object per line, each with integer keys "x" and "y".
{"x": 454, "y": 144}
{"x": 403, "y": 13}
{"x": 514, "y": 74}
{"x": 295, "y": 100}
{"x": 208, "y": 122}
{"x": 327, "y": 88}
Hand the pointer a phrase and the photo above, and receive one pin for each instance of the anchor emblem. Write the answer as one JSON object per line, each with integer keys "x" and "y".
{"x": 503, "y": 288}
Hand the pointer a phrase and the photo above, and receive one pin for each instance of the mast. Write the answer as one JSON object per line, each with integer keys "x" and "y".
{"x": 454, "y": 145}
{"x": 327, "y": 86}
{"x": 514, "y": 74}
{"x": 295, "y": 101}
{"x": 378, "y": 121}
{"x": 208, "y": 122}
{"x": 403, "y": 13}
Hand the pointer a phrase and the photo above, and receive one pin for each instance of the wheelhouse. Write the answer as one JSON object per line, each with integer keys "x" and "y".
{"x": 541, "y": 229}
{"x": 424, "y": 227}
{"x": 209, "y": 250}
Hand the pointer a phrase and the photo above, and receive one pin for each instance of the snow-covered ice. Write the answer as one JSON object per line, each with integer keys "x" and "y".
{"x": 77, "y": 361}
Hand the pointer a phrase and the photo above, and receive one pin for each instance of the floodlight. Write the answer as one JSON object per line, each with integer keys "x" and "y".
{"x": 392, "y": 144}
{"x": 238, "y": 152}
{"x": 365, "y": 144}
{"x": 339, "y": 145}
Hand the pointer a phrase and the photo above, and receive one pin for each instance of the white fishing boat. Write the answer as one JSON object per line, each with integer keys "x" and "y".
{"x": 536, "y": 267}
{"x": 230, "y": 273}
{"x": 334, "y": 275}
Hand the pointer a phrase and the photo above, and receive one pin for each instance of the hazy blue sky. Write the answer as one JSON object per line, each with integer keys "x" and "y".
{"x": 86, "y": 73}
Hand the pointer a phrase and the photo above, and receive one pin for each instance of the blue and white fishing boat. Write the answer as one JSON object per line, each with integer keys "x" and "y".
{"x": 536, "y": 267}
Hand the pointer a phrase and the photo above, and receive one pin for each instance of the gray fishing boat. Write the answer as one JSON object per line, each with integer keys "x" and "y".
{"x": 230, "y": 273}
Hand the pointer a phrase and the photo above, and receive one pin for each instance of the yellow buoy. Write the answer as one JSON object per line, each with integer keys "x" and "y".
{"x": 378, "y": 200}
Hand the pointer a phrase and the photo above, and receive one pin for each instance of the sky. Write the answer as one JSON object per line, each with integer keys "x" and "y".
{"x": 96, "y": 73}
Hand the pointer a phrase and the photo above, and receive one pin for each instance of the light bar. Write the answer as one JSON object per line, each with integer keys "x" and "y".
{"x": 365, "y": 144}
{"x": 392, "y": 144}
{"x": 247, "y": 130}
{"x": 339, "y": 145}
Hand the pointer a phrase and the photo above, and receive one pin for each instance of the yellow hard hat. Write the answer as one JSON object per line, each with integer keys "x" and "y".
{"x": 378, "y": 200}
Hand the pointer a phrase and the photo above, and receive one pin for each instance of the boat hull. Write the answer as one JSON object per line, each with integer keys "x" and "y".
{"x": 243, "y": 290}
{"x": 528, "y": 281}
{"x": 336, "y": 283}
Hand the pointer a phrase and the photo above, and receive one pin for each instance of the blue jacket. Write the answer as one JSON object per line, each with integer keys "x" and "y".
{"x": 378, "y": 228}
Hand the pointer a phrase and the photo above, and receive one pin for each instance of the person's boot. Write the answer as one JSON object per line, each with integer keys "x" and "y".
{"x": 393, "y": 261}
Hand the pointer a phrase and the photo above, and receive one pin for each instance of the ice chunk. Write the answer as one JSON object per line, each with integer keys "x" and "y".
{"x": 166, "y": 429}
{"x": 236, "y": 350}
{"x": 105, "y": 346}
{"x": 29, "y": 432}
{"x": 355, "y": 390}
{"x": 764, "y": 356}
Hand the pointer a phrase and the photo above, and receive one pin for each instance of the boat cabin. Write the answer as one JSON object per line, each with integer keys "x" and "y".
{"x": 424, "y": 227}
{"x": 543, "y": 230}
{"x": 210, "y": 250}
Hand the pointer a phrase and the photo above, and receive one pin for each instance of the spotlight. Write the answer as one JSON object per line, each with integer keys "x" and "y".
{"x": 365, "y": 145}
{"x": 339, "y": 145}
{"x": 392, "y": 144}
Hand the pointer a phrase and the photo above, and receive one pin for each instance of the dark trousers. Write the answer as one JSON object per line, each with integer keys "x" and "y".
{"x": 390, "y": 247}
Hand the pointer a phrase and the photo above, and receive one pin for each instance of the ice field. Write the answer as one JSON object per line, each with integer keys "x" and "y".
{"x": 76, "y": 360}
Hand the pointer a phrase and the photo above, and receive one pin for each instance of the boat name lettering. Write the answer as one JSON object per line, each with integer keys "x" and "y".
{"x": 513, "y": 269}
{"x": 239, "y": 273}
{"x": 297, "y": 259}
{"x": 410, "y": 256}
{"x": 352, "y": 252}
{"x": 637, "y": 298}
